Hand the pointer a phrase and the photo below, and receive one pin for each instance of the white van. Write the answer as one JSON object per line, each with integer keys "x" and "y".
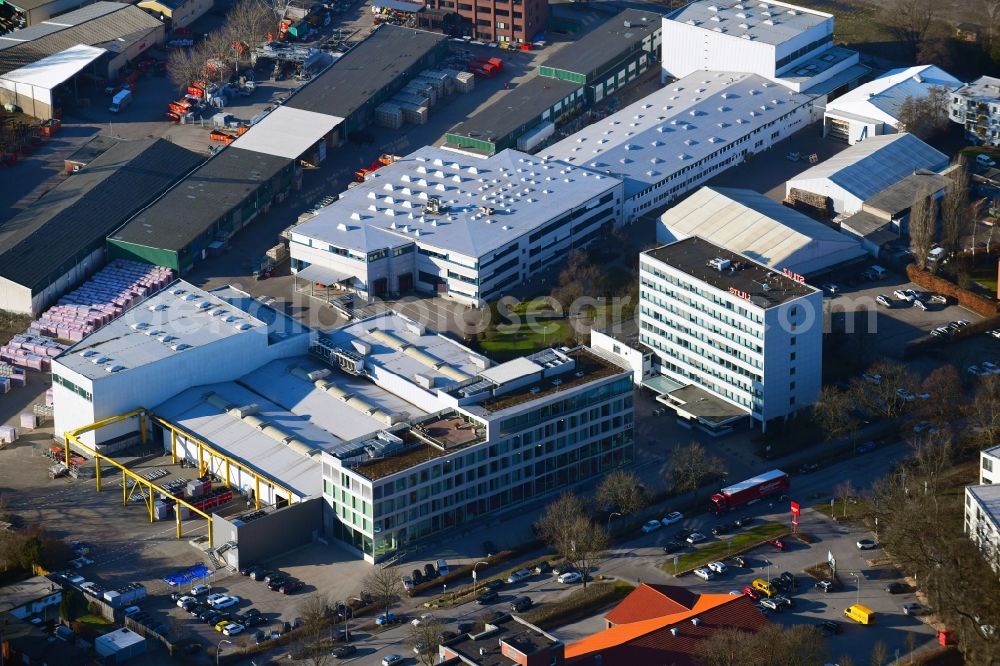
{"x": 121, "y": 101}
{"x": 985, "y": 160}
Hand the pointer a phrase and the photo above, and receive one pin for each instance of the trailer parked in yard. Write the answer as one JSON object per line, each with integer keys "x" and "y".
{"x": 750, "y": 490}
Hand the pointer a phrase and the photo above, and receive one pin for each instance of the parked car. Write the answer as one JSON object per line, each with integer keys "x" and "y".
{"x": 904, "y": 295}
{"x": 521, "y": 604}
{"x": 271, "y": 575}
{"x": 995, "y": 332}
{"x": 651, "y": 526}
{"x": 672, "y": 517}
{"x": 914, "y": 608}
{"x": 488, "y": 597}
{"x": 199, "y": 590}
{"x": 867, "y": 544}
{"x": 228, "y": 602}
{"x": 560, "y": 569}
{"x": 883, "y": 300}
{"x": 385, "y": 619}
{"x": 752, "y": 593}
{"x": 442, "y": 568}
{"x": 213, "y": 598}
{"x": 783, "y": 601}
{"x": 418, "y": 576}
{"x": 743, "y": 521}
{"x": 408, "y": 584}
{"x": 825, "y": 585}
{"x": 570, "y": 577}
{"x": 344, "y": 651}
{"x": 422, "y": 619}
{"x": 291, "y": 586}
{"x": 518, "y": 576}
{"x": 789, "y": 580}
{"x": 896, "y": 587}
{"x": 777, "y": 544}
{"x": 260, "y": 573}
{"x": 673, "y": 546}
{"x": 722, "y": 528}
{"x": 718, "y": 567}
{"x": 132, "y": 611}
{"x": 770, "y": 604}
{"x": 543, "y": 567}
{"x": 493, "y": 584}
{"x": 391, "y": 659}
{"x": 739, "y": 561}
{"x": 703, "y": 573}
{"x": 184, "y": 599}
{"x": 695, "y": 537}
{"x": 831, "y": 628}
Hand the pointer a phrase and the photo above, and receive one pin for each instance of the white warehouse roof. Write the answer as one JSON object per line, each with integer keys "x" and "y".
{"x": 750, "y": 224}
{"x": 388, "y": 209}
{"x": 868, "y": 167}
{"x": 172, "y": 321}
{"x": 287, "y": 132}
{"x": 676, "y": 126}
{"x": 55, "y": 69}
{"x": 882, "y": 98}
{"x": 769, "y": 22}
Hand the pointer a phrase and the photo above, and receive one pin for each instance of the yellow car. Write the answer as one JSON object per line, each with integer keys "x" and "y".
{"x": 221, "y": 624}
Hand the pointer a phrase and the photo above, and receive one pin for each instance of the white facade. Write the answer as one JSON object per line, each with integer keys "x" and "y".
{"x": 467, "y": 227}
{"x": 673, "y": 140}
{"x": 874, "y": 108}
{"x": 976, "y": 106}
{"x": 982, "y": 507}
{"x": 627, "y": 350}
{"x": 747, "y": 334}
{"x": 854, "y": 175}
{"x": 785, "y": 43}
{"x": 132, "y": 362}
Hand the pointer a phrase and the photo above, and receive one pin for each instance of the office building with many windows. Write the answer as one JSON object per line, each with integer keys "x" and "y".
{"x": 467, "y": 227}
{"x": 506, "y": 436}
{"x": 982, "y": 507}
{"x": 735, "y": 338}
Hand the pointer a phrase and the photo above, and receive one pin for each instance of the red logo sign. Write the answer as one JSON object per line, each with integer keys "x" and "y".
{"x": 742, "y": 294}
{"x": 793, "y": 275}
{"x": 795, "y": 509}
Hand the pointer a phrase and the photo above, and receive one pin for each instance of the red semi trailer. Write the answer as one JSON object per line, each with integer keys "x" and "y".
{"x": 751, "y": 490}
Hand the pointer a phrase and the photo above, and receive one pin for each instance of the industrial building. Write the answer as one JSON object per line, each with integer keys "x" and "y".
{"x": 664, "y": 624}
{"x": 120, "y": 645}
{"x": 34, "y": 597}
{"x": 982, "y": 507}
{"x": 583, "y": 73}
{"x": 783, "y": 43}
{"x": 467, "y": 227}
{"x": 504, "y": 436}
{"x": 671, "y": 141}
{"x": 53, "y": 245}
{"x": 176, "y": 14}
{"x": 384, "y": 421}
{"x": 875, "y": 108}
{"x": 506, "y": 641}
{"x": 540, "y": 101}
{"x": 369, "y": 74}
{"x": 516, "y": 22}
{"x": 750, "y": 224}
{"x": 610, "y": 56}
{"x": 735, "y": 338}
{"x": 121, "y": 32}
{"x": 853, "y": 176}
{"x": 976, "y": 107}
{"x": 203, "y": 211}
{"x": 20, "y": 14}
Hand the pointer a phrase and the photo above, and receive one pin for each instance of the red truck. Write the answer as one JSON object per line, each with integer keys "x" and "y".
{"x": 751, "y": 490}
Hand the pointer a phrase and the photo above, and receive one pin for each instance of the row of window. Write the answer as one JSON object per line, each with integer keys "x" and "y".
{"x": 745, "y": 324}
{"x": 734, "y": 374}
{"x": 698, "y": 333}
{"x": 62, "y": 381}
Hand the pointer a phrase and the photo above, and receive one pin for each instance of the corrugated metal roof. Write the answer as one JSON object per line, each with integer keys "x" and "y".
{"x": 109, "y": 25}
{"x": 88, "y": 206}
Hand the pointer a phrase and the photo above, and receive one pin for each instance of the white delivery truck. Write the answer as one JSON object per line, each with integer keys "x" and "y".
{"x": 121, "y": 101}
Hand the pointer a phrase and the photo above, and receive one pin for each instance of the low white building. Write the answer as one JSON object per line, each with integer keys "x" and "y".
{"x": 453, "y": 224}
{"x": 34, "y": 597}
{"x": 853, "y": 176}
{"x": 736, "y": 338}
{"x": 976, "y": 106}
{"x": 785, "y": 43}
{"x": 621, "y": 340}
{"x": 748, "y": 223}
{"x": 982, "y": 507}
{"x": 873, "y": 109}
{"x": 671, "y": 141}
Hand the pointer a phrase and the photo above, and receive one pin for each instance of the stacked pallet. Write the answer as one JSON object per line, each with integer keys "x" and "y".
{"x": 31, "y": 351}
{"x": 101, "y": 299}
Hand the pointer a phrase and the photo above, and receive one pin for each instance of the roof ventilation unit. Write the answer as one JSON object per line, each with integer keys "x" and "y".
{"x": 157, "y": 307}
{"x": 177, "y": 291}
{"x": 242, "y": 326}
{"x": 191, "y": 297}
{"x": 115, "y": 368}
{"x": 180, "y": 346}
{"x": 139, "y": 326}
{"x": 696, "y": 621}
{"x": 719, "y": 263}
{"x": 98, "y": 360}
{"x": 204, "y": 305}
{"x": 87, "y": 353}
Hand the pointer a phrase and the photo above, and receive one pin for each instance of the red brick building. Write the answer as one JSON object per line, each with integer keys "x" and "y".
{"x": 515, "y": 21}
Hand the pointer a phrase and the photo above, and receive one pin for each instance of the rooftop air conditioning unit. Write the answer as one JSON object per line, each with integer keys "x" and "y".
{"x": 719, "y": 263}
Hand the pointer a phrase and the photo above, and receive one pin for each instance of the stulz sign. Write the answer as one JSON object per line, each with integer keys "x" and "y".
{"x": 737, "y": 292}
{"x": 791, "y": 274}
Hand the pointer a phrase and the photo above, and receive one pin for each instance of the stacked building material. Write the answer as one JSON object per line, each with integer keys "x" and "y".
{"x": 389, "y": 115}
{"x": 464, "y": 81}
{"x": 31, "y": 351}
{"x": 103, "y": 298}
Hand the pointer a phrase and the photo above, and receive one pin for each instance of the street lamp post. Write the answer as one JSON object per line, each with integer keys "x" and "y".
{"x": 475, "y": 579}
{"x": 857, "y": 577}
{"x": 768, "y": 563}
{"x": 343, "y": 604}
{"x": 612, "y": 515}
{"x": 218, "y": 649}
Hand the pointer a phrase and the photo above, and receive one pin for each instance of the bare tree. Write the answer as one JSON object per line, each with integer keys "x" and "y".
{"x": 621, "y": 491}
{"x": 590, "y": 543}
{"x": 909, "y": 20}
{"x": 955, "y": 210}
{"x": 247, "y": 24}
{"x": 983, "y": 411}
{"x": 925, "y": 115}
{"x": 580, "y": 278}
{"x": 923, "y": 215}
{"x": 385, "y": 584}
{"x": 834, "y": 413}
{"x": 879, "y": 654}
{"x": 424, "y": 638}
{"x": 690, "y": 466}
{"x": 945, "y": 401}
{"x": 566, "y": 527}
{"x": 184, "y": 66}
{"x": 726, "y": 647}
{"x": 885, "y": 395}
{"x": 845, "y": 493}
{"x": 990, "y": 11}
{"x": 314, "y": 645}
{"x": 773, "y": 645}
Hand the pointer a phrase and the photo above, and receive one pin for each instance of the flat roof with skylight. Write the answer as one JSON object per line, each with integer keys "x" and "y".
{"x": 172, "y": 321}
{"x": 485, "y": 203}
{"x": 676, "y": 126}
{"x": 768, "y": 22}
